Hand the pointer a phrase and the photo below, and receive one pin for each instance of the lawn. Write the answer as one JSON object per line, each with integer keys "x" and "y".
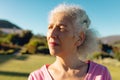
{"x": 18, "y": 67}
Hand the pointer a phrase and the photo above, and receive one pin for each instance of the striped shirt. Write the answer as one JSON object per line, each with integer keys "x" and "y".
{"x": 95, "y": 72}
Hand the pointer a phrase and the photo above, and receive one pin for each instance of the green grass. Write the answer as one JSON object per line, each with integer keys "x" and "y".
{"x": 18, "y": 67}
{"x": 115, "y": 72}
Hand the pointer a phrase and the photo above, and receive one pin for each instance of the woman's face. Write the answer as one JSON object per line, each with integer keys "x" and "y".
{"x": 60, "y": 35}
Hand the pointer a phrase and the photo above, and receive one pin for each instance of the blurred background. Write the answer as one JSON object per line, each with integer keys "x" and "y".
{"x": 23, "y": 27}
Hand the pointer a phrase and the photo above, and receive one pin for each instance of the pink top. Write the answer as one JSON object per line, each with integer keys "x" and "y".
{"x": 95, "y": 72}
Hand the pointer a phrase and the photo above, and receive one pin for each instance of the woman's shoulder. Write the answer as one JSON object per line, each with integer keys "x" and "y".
{"x": 98, "y": 71}
{"x": 94, "y": 66}
{"x": 39, "y": 74}
{"x": 40, "y": 70}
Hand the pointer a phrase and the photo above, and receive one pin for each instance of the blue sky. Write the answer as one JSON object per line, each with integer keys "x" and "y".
{"x": 33, "y": 14}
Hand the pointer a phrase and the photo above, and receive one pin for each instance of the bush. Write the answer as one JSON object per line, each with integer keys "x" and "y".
{"x": 24, "y": 51}
{"x": 117, "y": 56}
{"x": 10, "y": 51}
{"x": 31, "y": 47}
{"x": 4, "y": 52}
{"x": 43, "y": 50}
{"x": 101, "y": 55}
{"x": 96, "y": 55}
{"x": 6, "y": 38}
{"x": 22, "y": 39}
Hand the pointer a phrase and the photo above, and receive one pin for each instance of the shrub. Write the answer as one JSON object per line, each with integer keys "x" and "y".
{"x": 117, "y": 56}
{"x": 2, "y": 52}
{"x": 23, "y": 38}
{"x": 10, "y": 51}
{"x": 101, "y": 55}
{"x": 31, "y": 47}
{"x": 43, "y": 50}
{"x": 6, "y": 38}
{"x": 96, "y": 55}
{"x": 24, "y": 51}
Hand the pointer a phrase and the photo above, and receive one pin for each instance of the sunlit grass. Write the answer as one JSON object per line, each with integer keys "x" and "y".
{"x": 115, "y": 72}
{"x": 18, "y": 67}
{"x": 21, "y": 65}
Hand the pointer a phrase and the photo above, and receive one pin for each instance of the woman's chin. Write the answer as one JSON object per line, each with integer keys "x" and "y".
{"x": 54, "y": 53}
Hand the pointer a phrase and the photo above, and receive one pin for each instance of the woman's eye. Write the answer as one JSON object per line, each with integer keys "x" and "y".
{"x": 62, "y": 28}
{"x": 49, "y": 27}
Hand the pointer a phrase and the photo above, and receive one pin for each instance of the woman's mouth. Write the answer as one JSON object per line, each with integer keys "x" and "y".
{"x": 53, "y": 44}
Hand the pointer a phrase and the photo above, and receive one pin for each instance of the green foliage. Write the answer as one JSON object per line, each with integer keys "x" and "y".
{"x": 10, "y": 51}
{"x": 96, "y": 55}
{"x": 6, "y": 38}
{"x": 32, "y": 46}
{"x": 116, "y": 51}
{"x": 35, "y": 45}
{"x": 23, "y": 38}
{"x": 29, "y": 43}
{"x": 42, "y": 40}
{"x": 4, "y": 52}
{"x": 101, "y": 55}
{"x": 9, "y": 38}
{"x": 117, "y": 56}
{"x": 43, "y": 49}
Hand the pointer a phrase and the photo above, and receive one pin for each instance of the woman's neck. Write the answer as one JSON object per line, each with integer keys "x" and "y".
{"x": 68, "y": 67}
{"x": 69, "y": 62}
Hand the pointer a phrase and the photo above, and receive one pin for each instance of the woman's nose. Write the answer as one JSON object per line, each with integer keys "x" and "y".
{"x": 53, "y": 33}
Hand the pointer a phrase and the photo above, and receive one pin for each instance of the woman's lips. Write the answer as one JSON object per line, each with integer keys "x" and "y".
{"x": 53, "y": 44}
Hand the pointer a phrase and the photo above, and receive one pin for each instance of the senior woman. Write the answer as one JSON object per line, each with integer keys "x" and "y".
{"x": 69, "y": 38}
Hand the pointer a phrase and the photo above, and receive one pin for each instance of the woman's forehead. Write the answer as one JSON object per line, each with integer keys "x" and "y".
{"x": 61, "y": 18}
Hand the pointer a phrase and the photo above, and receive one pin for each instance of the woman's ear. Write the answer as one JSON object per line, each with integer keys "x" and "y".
{"x": 81, "y": 38}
